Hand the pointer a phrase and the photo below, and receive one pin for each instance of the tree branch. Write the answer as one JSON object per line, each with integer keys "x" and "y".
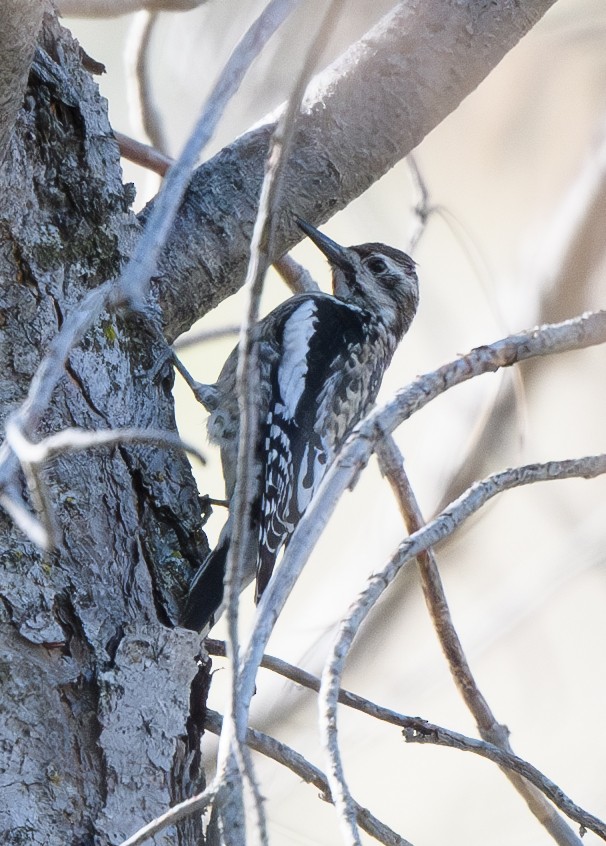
{"x": 115, "y": 8}
{"x": 362, "y": 115}
{"x": 238, "y": 555}
{"x": 136, "y": 277}
{"x": 419, "y": 730}
{"x": 392, "y": 465}
{"x": 145, "y": 113}
{"x": 143, "y": 155}
{"x": 419, "y": 541}
{"x": 282, "y": 754}
{"x": 196, "y": 804}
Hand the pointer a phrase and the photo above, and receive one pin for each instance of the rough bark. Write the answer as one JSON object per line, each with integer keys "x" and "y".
{"x": 19, "y": 24}
{"x": 101, "y": 696}
{"x": 85, "y": 644}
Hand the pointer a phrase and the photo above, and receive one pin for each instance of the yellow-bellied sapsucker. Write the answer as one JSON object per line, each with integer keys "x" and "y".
{"x": 321, "y": 361}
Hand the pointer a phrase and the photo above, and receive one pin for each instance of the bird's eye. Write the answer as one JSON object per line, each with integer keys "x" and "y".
{"x": 376, "y": 265}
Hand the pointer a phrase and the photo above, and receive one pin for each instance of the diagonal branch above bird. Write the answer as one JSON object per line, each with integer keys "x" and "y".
{"x": 321, "y": 360}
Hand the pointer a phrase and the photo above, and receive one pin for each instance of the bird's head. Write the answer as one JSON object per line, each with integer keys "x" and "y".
{"x": 373, "y": 276}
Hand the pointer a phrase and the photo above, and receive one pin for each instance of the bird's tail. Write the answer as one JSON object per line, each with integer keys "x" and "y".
{"x": 204, "y": 604}
{"x": 205, "y": 597}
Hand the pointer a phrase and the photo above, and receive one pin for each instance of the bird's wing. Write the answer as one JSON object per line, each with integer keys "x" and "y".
{"x": 313, "y": 340}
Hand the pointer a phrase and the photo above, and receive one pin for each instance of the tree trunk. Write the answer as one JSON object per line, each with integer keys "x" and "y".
{"x": 98, "y": 732}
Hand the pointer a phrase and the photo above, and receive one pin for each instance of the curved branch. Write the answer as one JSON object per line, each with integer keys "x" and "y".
{"x": 246, "y": 381}
{"x": 136, "y": 277}
{"x": 196, "y": 804}
{"x": 392, "y": 465}
{"x": 443, "y": 526}
{"x": 363, "y": 114}
{"x": 419, "y": 730}
{"x": 145, "y": 114}
{"x": 282, "y": 754}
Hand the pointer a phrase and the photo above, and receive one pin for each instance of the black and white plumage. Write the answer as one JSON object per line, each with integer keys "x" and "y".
{"x": 321, "y": 362}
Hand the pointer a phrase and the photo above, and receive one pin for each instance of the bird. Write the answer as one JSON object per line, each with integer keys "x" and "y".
{"x": 321, "y": 360}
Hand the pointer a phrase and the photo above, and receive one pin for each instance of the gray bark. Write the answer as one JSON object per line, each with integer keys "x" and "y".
{"x": 97, "y": 733}
{"x": 19, "y": 25}
{"x": 102, "y": 696}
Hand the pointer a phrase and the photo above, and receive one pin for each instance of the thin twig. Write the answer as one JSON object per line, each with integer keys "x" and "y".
{"x": 142, "y": 154}
{"x": 423, "y": 208}
{"x": 144, "y": 112}
{"x": 418, "y": 542}
{"x": 33, "y": 456}
{"x": 260, "y": 249}
{"x": 464, "y": 473}
{"x": 392, "y": 465}
{"x": 40, "y": 496}
{"x": 191, "y": 339}
{"x": 17, "y": 510}
{"x": 194, "y": 805}
{"x": 75, "y": 440}
{"x": 246, "y": 681}
{"x": 294, "y": 761}
{"x": 419, "y": 730}
{"x": 142, "y": 265}
{"x": 297, "y": 277}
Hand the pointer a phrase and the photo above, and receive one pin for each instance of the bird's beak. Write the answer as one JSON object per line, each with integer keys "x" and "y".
{"x": 335, "y": 253}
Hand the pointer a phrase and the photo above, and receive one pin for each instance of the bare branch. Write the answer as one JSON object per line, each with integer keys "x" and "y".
{"x": 135, "y": 279}
{"x": 560, "y": 269}
{"x": 192, "y": 339}
{"x": 25, "y": 520}
{"x": 419, "y": 730}
{"x": 423, "y": 207}
{"x": 194, "y": 805}
{"x": 19, "y": 24}
{"x": 282, "y": 754}
{"x": 361, "y": 116}
{"x": 142, "y": 154}
{"x": 392, "y": 465}
{"x": 418, "y": 542}
{"x": 298, "y": 279}
{"x": 75, "y": 440}
{"x": 142, "y": 105}
{"x": 115, "y": 8}
{"x": 33, "y": 456}
{"x": 246, "y": 380}
{"x": 507, "y": 761}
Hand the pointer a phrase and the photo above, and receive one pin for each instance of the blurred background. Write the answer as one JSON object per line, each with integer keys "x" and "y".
{"x": 516, "y": 237}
